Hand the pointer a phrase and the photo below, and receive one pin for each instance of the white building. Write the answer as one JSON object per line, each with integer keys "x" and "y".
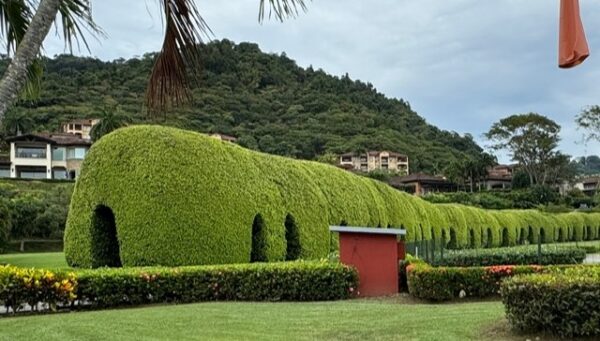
{"x": 45, "y": 156}
{"x": 81, "y": 127}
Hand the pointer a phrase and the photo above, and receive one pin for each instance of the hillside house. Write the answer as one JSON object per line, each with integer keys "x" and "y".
{"x": 375, "y": 160}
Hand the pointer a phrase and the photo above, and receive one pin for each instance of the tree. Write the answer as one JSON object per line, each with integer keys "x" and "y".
{"x": 110, "y": 120}
{"x": 531, "y": 140}
{"x": 168, "y": 84}
{"x": 589, "y": 121}
{"x": 17, "y": 122}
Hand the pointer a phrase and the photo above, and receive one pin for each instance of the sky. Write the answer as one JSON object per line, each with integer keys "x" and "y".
{"x": 461, "y": 64}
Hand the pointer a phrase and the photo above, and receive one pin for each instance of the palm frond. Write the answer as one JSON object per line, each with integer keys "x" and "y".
{"x": 281, "y": 9}
{"x": 15, "y": 16}
{"x": 76, "y": 16}
{"x": 169, "y": 82}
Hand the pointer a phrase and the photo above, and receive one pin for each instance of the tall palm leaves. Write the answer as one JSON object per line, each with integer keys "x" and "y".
{"x": 110, "y": 120}
{"x": 23, "y": 30}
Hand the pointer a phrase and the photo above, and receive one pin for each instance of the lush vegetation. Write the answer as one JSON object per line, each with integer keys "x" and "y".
{"x": 33, "y": 209}
{"x": 348, "y": 320}
{"x": 127, "y": 200}
{"x": 443, "y": 284}
{"x": 265, "y": 100}
{"x": 290, "y": 281}
{"x": 564, "y": 303}
{"x": 519, "y": 255}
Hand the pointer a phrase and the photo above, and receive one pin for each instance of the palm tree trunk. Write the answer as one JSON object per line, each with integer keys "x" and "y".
{"x": 15, "y": 77}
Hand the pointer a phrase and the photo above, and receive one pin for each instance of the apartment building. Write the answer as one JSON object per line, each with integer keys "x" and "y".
{"x": 45, "y": 156}
{"x": 81, "y": 127}
{"x": 375, "y": 160}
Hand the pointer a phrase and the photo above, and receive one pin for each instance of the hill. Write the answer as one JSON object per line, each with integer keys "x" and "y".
{"x": 266, "y": 100}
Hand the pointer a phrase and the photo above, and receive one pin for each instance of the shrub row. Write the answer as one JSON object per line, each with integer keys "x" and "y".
{"x": 565, "y": 303}
{"x": 118, "y": 212}
{"x": 292, "y": 281}
{"x": 521, "y": 255}
{"x": 442, "y": 284}
{"x": 35, "y": 287}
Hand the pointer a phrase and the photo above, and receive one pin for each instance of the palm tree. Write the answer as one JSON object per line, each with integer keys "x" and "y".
{"x": 16, "y": 123}
{"x": 110, "y": 120}
{"x": 23, "y": 32}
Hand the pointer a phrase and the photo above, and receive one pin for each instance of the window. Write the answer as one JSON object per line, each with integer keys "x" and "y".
{"x": 346, "y": 159}
{"x": 4, "y": 172}
{"x": 76, "y": 153}
{"x": 384, "y": 166}
{"x": 31, "y": 172}
{"x": 31, "y": 152}
{"x": 384, "y": 159}
{"x": 59, "y": 173}
{"x": 363, "y": 159}
{"x": 78, "y": 127}
{"x": 58, "y": 154}
{"x": 364, "y": 167}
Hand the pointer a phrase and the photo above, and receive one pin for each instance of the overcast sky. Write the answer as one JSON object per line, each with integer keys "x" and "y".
{"x": 461, "y": 64}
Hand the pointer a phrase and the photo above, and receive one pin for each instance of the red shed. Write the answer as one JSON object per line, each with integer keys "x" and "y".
{"x": 374, "y": 252}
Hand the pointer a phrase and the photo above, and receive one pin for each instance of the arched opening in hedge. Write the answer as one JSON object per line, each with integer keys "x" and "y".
{"x": 258, "y": 251}
{"x": 106, "y": 250}
{"x": 292, "y": 239}
{"x": 443, "y": 239}
{"x": 453, "y": 243}
{"x": 489, "y": 238}
{"x": 523, "y": 236}
{"x": 590, "y": 233}
{"x": 530, "y": 235}
{"x": 561, "y": 235}
{"x": 542, "y": 236}
{"x": 505, "y": 238}
{"x": 471, "y": 239}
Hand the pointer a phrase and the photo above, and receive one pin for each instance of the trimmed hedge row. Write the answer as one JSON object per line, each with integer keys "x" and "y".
{"x": 443, "y": 284}
{"x": 519, "y": 255}
{"x": 151, "y": 195}
{"x": 100, "y": 288}
{"x": 566, "y": 303}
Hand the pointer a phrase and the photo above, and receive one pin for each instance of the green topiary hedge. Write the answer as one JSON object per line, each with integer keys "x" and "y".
{"x": 150, "y": 195}
{"x": 565, "y": 303}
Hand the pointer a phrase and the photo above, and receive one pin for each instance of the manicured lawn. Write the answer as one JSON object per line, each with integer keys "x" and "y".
{"x": 38, "y": 260}
{"x": 355, "y": 320}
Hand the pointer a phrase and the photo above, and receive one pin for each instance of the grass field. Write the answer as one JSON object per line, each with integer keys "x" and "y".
{"x": 354, "y": 320}
{"x": 37, "y": 260}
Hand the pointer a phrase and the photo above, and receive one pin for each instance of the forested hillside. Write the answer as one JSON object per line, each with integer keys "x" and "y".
{"x": 265, "y": 100}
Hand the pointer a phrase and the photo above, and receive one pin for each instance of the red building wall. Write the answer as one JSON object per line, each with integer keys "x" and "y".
{"x": 375, "y": 256}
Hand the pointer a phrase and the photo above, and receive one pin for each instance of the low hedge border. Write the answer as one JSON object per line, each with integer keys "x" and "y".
{"x": 109, "y": 287}
{"x": 566, "y": 304}
{"x": 520, "y": 255}
{"x": 447, "y": 283}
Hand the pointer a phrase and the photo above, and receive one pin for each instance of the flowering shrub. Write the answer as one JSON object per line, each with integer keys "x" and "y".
{"x": 566, "y": 303}
{"x": 442, "y": 284}
{"x": 290, "y": 281}
{"x": 20, "y": 286}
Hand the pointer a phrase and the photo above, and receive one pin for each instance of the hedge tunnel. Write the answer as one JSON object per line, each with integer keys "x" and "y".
{"x": 151, "y": 195}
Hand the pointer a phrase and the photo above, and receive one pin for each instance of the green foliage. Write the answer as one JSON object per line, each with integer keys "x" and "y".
{"x": 520, "y": 180}
{"x": 182, "y": 198}
{"x": 564, "y": 303}
{"x": 5, "y": 222}
{"x": 443, "y": 284}
{"x": 520, "y": 255}
{"x": 589, "y": 121}
{"x": 290, "y": 281}
{"x": 20, "y": 286}
{"x": 266, "y": 100}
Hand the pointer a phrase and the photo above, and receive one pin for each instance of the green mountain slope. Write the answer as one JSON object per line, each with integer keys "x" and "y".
{"x": 266, "y": 100}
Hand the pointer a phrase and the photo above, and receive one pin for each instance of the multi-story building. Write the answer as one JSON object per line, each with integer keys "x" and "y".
{"x": 375, "y": 160}
{"x": 498, "y": 177}
{"x": 81, "y": 127}
{"x": 589, "y": 185}
{"x": 45, "y": 156}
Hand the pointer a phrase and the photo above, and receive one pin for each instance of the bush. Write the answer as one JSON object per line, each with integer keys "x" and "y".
{"x": 20, "y": 286}
{"x": 443, "y": 284}
{"x": 202, "y": 212}
{"x": 521, "y": 255}
{"x": 291, "y": 281}
{"x": 563, "y": 303}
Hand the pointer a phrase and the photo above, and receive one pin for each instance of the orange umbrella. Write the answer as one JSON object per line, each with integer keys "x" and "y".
{"x": 572, "y": 47}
